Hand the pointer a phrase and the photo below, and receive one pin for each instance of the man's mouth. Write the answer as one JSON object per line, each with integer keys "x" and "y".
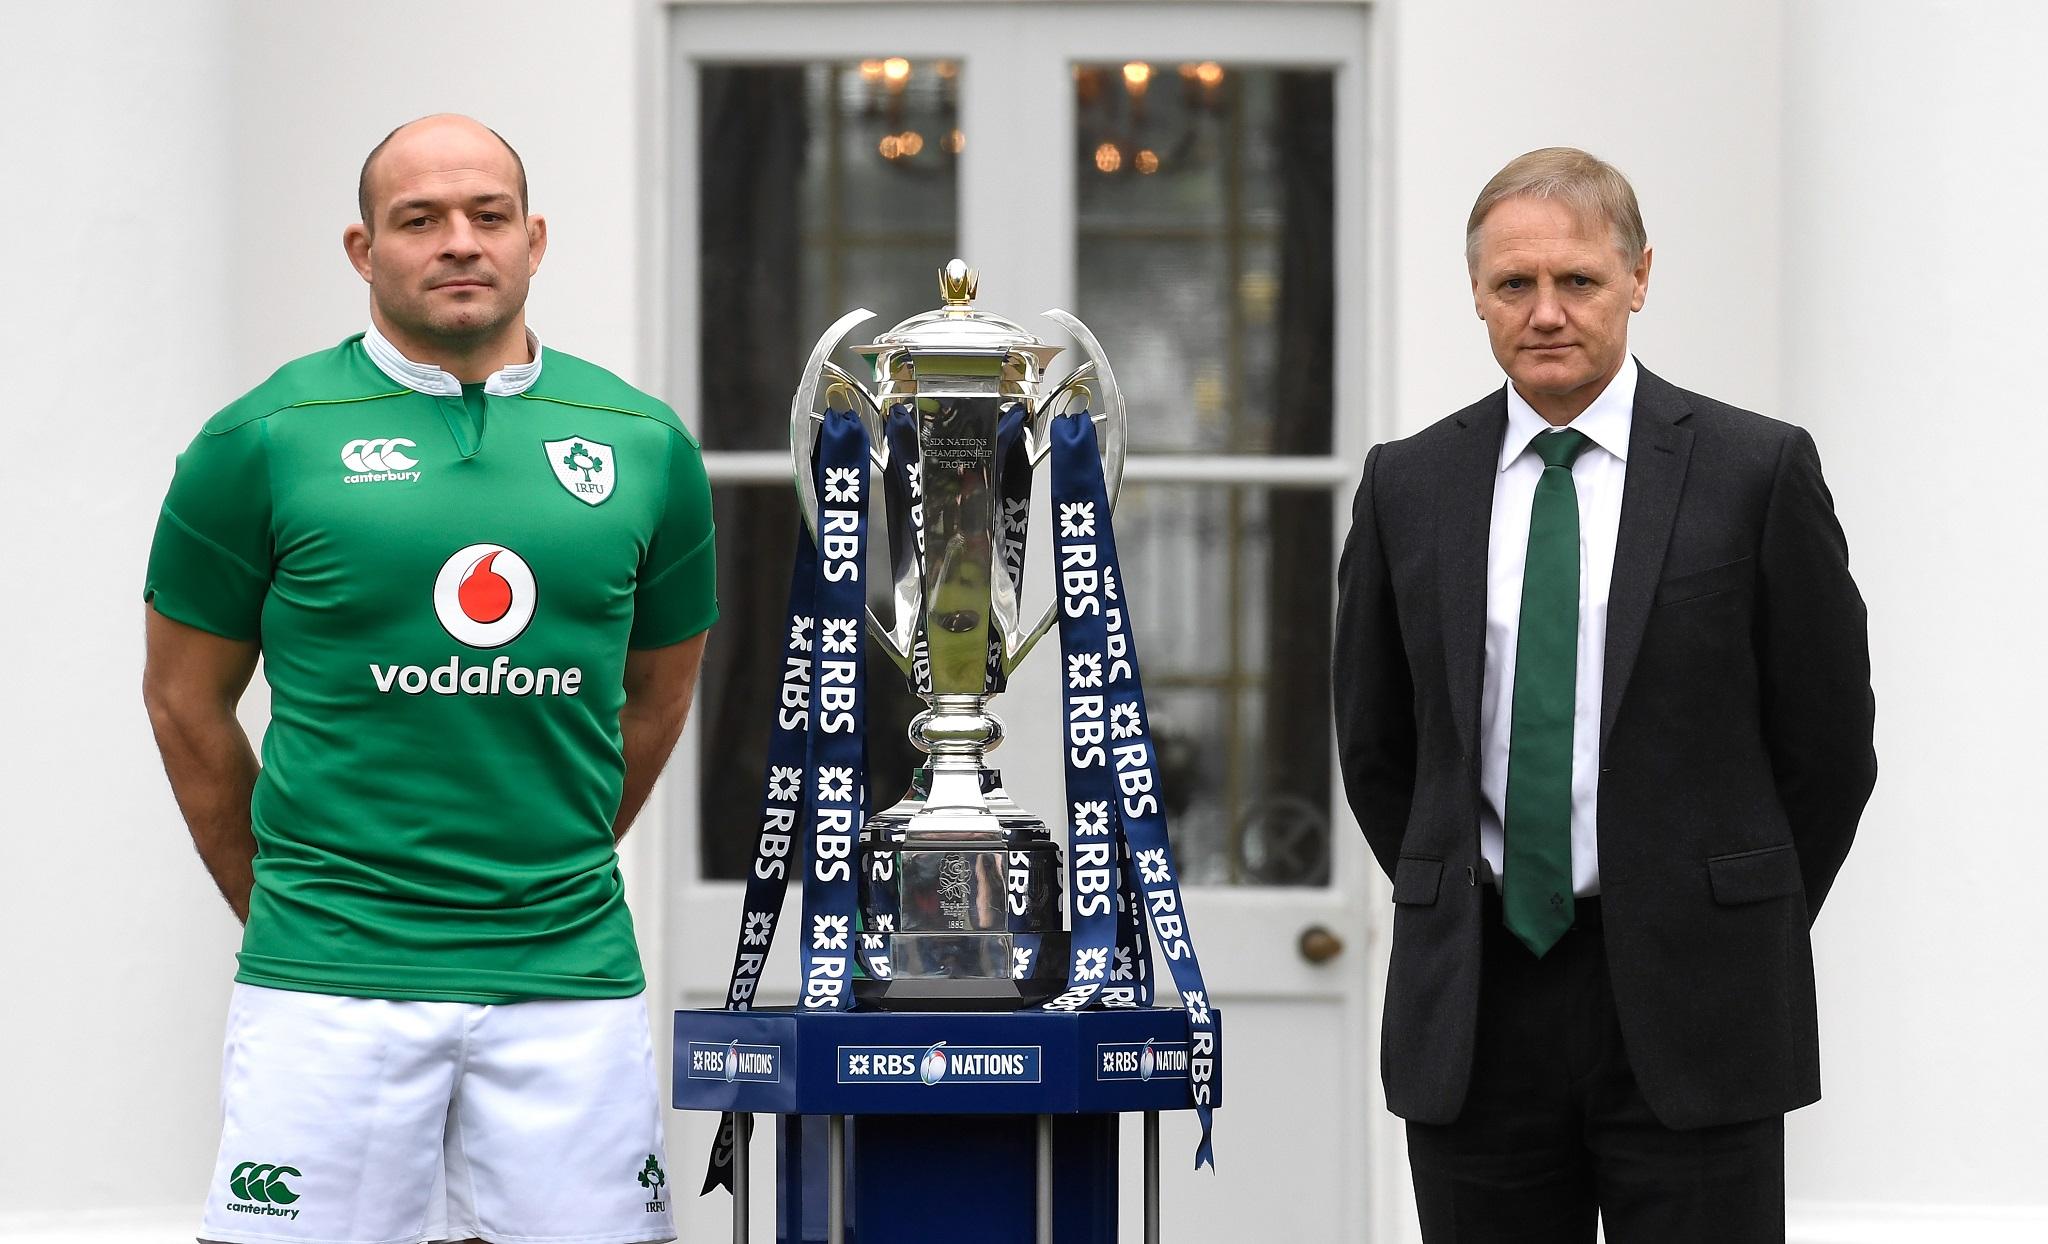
{"x": 466, "y": 282}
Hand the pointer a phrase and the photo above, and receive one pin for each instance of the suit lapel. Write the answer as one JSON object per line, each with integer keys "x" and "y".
{"x": 1464, "y": 525}
{"x": 1659, "y": 447}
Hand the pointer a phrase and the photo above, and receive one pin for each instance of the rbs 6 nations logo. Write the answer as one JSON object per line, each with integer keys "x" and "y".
{"x": 939, "y": 1064}
{"x": 1130, "y": 1060}
{"x": 761, "y": 1064}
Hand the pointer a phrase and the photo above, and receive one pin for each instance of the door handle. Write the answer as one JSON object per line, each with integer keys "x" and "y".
{"x": 1318, "y": 945}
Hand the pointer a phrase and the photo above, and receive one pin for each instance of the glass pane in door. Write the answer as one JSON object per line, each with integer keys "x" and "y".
{"x": 1205, "y": 240}
{"x": 1205, "y": 195}
{"x": 1230, "y": 589}
{"x": 824, "y": 186}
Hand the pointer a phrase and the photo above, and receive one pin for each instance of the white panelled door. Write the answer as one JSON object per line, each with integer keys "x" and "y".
{"x": 1195, "y": 183}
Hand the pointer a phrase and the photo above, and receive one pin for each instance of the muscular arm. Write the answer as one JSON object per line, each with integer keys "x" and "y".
{"x": 659, "y": 685}
{"x": 191, "y": 681}
{"x": 1371, "y": 686}
{"x": 1814, "y": 662}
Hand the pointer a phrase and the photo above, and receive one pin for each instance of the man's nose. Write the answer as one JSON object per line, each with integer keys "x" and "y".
{"x": 1548, "y": 313}
{"x": 460, "y": 240}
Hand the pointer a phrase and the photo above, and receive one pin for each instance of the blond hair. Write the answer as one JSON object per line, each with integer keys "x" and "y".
{"x": 1590, "y": 186}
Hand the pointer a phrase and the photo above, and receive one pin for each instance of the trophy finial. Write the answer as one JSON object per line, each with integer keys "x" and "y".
{"x": 957, "y": 283}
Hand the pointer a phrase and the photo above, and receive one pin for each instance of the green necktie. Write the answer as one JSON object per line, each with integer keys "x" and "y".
{"x": 1537, "y": 900}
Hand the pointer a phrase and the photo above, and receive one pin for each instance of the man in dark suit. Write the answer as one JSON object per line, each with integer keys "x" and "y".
{"x": 1603, "y": 705}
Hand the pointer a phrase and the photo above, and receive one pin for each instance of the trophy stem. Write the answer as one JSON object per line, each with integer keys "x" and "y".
{"x": 956, "y": 731}
{"x": 966, "y": 883}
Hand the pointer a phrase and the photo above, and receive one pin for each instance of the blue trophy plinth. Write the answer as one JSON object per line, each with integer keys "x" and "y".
{"x": 907, "y": 1128}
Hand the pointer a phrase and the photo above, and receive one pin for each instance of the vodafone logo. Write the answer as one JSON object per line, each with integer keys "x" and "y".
{"x": 376, "y": 461}
{"x": 484, "y": 595}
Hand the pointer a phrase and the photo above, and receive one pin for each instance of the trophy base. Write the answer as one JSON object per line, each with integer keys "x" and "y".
{"x": 961, "y": 890}
{"x": 962, "y": 972}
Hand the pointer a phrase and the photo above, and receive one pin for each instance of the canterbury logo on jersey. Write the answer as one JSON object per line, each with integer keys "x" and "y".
{"x": 378, "y": 461}
{"x": 484, "y": 597}
{"x": 260, "y": 1188}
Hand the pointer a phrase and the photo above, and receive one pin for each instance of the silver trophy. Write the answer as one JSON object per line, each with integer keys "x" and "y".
{"x": 961, "y": 885}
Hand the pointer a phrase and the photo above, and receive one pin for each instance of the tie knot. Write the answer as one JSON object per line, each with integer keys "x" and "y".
{"x": 1561, "y": 449}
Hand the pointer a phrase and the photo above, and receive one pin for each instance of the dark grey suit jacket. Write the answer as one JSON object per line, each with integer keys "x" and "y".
{"x": 1735, "y": 754}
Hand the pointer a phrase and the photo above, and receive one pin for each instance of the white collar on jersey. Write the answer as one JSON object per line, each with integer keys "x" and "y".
{"x": 429, "y": 379}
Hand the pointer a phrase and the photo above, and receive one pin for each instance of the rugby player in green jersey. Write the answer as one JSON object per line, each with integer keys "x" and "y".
{"x": 479, "y": 574}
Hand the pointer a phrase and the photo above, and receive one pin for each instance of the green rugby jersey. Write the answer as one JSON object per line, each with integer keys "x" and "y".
{"x": 445, "y": 580}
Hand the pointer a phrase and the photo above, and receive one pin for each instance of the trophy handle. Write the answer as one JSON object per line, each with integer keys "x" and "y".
{"x": 804, "y": 421}
{"x": 1113, "y": 432}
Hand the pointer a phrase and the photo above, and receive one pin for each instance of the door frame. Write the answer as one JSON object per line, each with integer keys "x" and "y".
{"x": 670, "y": 900}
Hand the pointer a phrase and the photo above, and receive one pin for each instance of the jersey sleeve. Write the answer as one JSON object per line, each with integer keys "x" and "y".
{"x": 678, "y": 592}
{"x": 209, "y": 565}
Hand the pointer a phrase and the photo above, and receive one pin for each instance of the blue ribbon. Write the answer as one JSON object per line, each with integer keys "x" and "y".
{"x": 838, "y": 721}
{"x": 811, "y": 735}
{"x": 905, "y": 514}
{"x": 1012, "y": 524}
{"x": 1118, "y": 853}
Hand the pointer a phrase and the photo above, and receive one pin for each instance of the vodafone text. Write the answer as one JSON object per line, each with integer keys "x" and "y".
{"x": 500, "y": 677}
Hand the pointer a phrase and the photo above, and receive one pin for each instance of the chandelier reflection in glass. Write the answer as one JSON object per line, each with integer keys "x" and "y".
{"x": 1136, "y": 121}
{"x": 912, "y": 109}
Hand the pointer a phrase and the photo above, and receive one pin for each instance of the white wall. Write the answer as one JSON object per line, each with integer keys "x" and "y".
{"x": 177, "y": 177}
{"x": 1839, "y": 195}
{"x": 317, "y": 85}
{"x": 114, "y": 950}
{"x": 1914, "y": 177}
{"x": 1683, "y": 98}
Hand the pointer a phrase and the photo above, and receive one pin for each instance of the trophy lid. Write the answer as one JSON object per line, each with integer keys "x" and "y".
{"x": 960, "y": 328}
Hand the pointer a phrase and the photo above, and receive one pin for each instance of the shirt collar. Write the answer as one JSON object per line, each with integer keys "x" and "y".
{"x": 429, "y": 379}
{"x": 1605, "y": 422}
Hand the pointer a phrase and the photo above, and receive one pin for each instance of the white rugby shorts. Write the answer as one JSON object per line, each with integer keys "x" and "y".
{"x": 369, "y": 1121}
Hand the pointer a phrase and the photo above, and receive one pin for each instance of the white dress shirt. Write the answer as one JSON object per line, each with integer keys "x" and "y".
{"x": 1598, "y": 476}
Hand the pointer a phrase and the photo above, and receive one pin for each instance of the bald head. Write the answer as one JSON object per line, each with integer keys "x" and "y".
{"x": 436, "y": 139}
{"x": 447, "y": 245}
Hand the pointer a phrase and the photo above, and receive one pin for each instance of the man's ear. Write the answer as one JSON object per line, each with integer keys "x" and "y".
{"x": 536, "y": 242}
{"x": 356, "y": 241}
{"x": 1642, "y": 277}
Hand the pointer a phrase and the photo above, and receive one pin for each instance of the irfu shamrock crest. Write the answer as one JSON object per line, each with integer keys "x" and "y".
{"x": 587, "y": 469}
